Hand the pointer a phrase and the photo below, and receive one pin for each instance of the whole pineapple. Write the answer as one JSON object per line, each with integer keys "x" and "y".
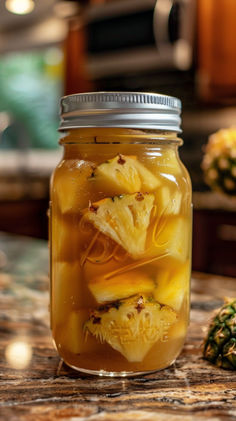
{"x": 220, "y": 344}
{"x": 219, "y": 161}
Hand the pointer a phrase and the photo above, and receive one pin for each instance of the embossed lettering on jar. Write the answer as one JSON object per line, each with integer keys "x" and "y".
{"x": 120, "y": 234}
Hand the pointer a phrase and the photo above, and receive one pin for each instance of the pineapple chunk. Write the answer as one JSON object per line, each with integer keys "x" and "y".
{"x": 168, "y": 204}
{"x": 66, "y": 280}
{"x": 172, "y": 286}
{"x": 72, "y": 187}
{"x": 149, "y": 181}
{"x": 171, "y": 238}
{"x": 131, "y": 326}
{"x": 124, "y": 218}
{"x": 67, "y": 240}
{"x": 75, "y": 338}
{"x": 169, "y": 162}
{"x": 120, "y": 286}
{"x": 119, "y": 173}
{"x": 69, "y": 290}
{"x": 126, "y": 174}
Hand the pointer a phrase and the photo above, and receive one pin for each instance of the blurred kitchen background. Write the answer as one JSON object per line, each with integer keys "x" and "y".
{"x": 48, "y": 48}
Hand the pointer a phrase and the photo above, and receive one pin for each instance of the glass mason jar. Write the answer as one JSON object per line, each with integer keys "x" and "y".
{"x": 120, "y": 234}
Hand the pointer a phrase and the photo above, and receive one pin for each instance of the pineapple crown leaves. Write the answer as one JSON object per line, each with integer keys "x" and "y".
{"x": 220, "y": 343}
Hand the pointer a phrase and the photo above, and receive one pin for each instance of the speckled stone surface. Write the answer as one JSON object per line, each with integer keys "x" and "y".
{"x": 45, "y": 389}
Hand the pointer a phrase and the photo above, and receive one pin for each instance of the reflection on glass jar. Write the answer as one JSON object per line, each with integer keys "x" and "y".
{"x": 120, "y": 235}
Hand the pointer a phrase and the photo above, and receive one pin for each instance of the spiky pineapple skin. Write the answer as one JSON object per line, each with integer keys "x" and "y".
{"x": 220, "y": 343}
{"x": 220, "y": 178}
{"x": 219, "y": 161}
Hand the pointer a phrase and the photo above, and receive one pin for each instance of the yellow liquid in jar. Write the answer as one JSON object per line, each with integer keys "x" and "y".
{"x": 120, "y": 300}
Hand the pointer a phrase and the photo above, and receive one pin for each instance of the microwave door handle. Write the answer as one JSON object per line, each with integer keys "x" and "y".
{"x": 179, "y": 52}
{"x": 161, "y": 15}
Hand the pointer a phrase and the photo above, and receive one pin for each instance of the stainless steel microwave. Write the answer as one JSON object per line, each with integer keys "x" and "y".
{"x": 140, "y": 35}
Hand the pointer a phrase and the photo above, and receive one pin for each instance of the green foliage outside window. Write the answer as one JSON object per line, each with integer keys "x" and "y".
{"x": 30, "y": 88}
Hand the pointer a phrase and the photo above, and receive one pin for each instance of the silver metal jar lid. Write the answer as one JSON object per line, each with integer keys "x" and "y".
{"x": 121, "y": 109}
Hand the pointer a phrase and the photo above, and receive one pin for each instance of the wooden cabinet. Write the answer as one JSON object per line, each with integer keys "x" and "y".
{"x": 214, "y": 241}
{"x": 25, "y": 217}
{"x": 217, "y": 50}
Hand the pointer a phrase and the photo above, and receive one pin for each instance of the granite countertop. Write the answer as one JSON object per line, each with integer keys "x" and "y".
{"x": 35, "y": 385}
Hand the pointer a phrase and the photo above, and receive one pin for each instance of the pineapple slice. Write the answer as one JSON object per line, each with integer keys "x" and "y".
{"x": 123, "y": 218}
{"x": 131, "y": 326}
{"x": 172, "y": 286}
{"x": 126, "y": 174}
{"x": 120, "y": 286}
{"x": 75, "y": 338}
{"x": 72, "y": 187}
{"x": 171, "y": 238}
{"x": 168, "y": 204}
